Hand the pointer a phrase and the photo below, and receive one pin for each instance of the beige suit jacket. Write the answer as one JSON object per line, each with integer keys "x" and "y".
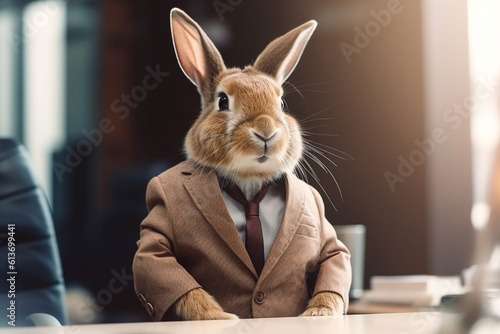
{"x": 188, "y": 240}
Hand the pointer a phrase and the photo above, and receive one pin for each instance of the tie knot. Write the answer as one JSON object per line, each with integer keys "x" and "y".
{"x": 252, "y": 209}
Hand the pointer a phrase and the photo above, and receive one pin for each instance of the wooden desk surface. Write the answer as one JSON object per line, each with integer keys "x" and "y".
{"x": 407, "y": 323}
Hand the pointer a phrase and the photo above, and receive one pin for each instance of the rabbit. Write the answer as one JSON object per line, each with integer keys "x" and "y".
{"x": 241, "y": 136}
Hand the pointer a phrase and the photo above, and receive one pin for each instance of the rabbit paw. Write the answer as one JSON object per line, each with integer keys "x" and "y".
{"x": 317, "y": 312}
{"x": 199, "y": 305}
{"x": 324, "y": 304}
{"x": 220, "y": 315}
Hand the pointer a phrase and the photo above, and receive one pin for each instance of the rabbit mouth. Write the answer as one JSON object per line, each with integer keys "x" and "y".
{"x": 263, "y": 159}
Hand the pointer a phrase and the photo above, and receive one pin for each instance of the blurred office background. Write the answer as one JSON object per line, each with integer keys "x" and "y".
{"x": 93, "y": 90}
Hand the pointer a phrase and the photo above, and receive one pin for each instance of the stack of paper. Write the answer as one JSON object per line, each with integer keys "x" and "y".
{"x": 414, "y": 290}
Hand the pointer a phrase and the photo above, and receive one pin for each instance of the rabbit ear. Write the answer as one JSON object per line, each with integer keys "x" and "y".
{"x": 198, "y": 57}
{"x": 281, "y": 56}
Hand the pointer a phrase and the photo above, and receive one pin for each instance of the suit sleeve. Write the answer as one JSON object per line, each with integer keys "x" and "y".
{"x": 159, "y": 279}
{"x": 334, "y": 273}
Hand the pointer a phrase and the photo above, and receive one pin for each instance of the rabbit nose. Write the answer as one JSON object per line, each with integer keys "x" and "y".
{"x": 264, "y": 138}
{"x": 264, "y": 128}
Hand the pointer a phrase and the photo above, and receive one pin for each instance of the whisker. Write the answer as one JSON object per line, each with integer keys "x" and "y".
{"x": 313, "y": 84}
{"x": 289, "y": 84}
{"x": 301, "y": 169}
{"x": 326, "y": 149}
{"x": 310, "y": 134}
{"x": 310, "y": 170}
{"x": 315, "y": 150}
{"x": 316, "y": 178}
{"x": 310, "y": 117}
{"x": 327, "y": 170}
{"x": 315, "y": 120}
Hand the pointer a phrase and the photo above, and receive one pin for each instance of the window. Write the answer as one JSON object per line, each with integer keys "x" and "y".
{"x": 32, "y": 53}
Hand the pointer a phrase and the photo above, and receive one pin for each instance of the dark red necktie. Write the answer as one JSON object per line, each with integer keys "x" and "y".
{"x": 254, "y": 242}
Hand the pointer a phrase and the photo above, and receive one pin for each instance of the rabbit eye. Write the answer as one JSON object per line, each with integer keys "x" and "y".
{"x": 223, "y": 102}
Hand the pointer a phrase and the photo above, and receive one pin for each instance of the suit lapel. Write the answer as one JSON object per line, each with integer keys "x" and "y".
{"x": 204, "y": 189}
{"x": 291, "y": 220}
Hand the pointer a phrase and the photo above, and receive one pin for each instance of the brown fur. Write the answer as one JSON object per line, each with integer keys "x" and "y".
{"x": 256, "y": 108}
{"x": 325, "y": 304}
{"x": 231, "y": 142}
{"x": 221, "y": 140}
{"x": 199, "y": 305}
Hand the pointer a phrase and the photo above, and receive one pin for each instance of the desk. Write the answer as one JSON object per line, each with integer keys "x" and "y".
{"x": 407, "y": 323}
{"x": 358, "y": 307}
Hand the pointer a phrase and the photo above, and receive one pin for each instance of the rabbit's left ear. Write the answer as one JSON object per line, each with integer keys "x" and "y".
{"x": 281, "y": 56}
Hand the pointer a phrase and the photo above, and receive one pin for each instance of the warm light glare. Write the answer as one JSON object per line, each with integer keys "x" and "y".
{"x": 480, "y": 214}
{"x": 7, "y": 123}
{"x": 44, "y": 64}
{"x": 495, "y": 258}
{"x": 484, "y": 60}
{"x": 484, "y": 30}
{"x": 485, "y": 129}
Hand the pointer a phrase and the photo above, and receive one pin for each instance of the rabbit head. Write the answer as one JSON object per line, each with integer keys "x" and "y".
{"x": 242, "y": 131}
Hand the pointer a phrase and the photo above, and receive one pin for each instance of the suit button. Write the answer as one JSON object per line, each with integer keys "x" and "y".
{"x": 150, "y": 309}
{"x": 259, "y": 297}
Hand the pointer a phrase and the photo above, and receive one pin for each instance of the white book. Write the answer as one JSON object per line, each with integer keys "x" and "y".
{"x": 407, "y": 298}
{"x": 440, "y": 285}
